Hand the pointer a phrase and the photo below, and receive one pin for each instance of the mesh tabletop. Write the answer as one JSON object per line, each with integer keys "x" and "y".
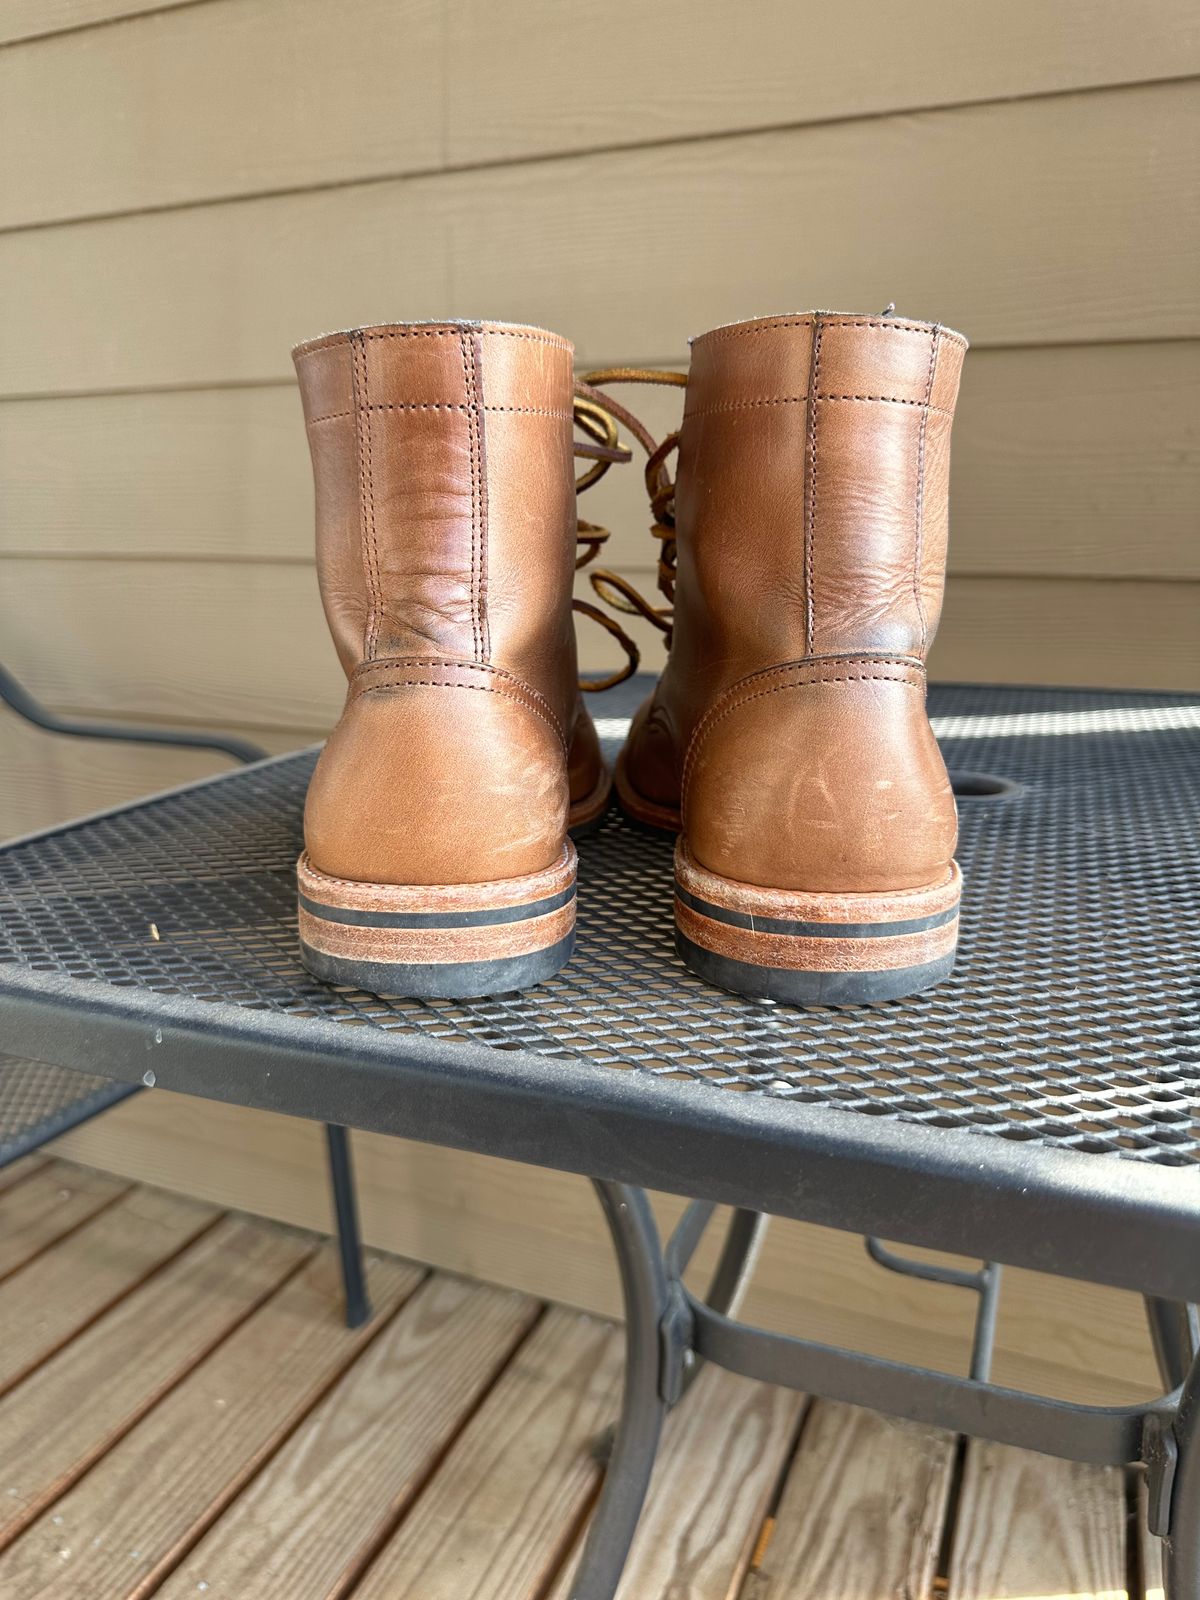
{"x": 1072, "y": 1020}
{"x": 38, "y": 1102}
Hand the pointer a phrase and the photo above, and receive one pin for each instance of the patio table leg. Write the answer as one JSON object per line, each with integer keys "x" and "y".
{"x": 627, "y": 1478}
{"x": 1176, "y": 1335}
{"x": 1182, "y": 1550}
{"x": 730, "y": 1280}
{"x": 731, "y": 1276}
{"x": 345, "y": 1209}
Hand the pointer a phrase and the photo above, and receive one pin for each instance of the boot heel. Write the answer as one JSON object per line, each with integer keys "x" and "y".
{"x": 814, "y": 949}
{"x": 438, "y": 941}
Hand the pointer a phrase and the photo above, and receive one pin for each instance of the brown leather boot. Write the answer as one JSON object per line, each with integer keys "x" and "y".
{"x": 788, "y": 737}
{"x": 437, "y": 860}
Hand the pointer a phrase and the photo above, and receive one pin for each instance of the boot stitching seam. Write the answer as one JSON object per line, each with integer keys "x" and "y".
{"x": 480, "y": 688}
{"x": 919, "y": 539}
{"x": 366, "y": 492}
{"x": 716, "y": 717}
{"x": 481, "y": 451}
{"x": 797, "y": 399}
{"x": 720, "y": 334}
{"x": 448, "y": 405}
{"x": 810, "y": 497}
{"x": 468, "y": 390}
{"x": 516, "y": 686}
{"x": 457, "y": 333}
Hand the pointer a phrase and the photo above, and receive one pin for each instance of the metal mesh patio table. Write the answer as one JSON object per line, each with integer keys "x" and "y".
{"x": 39, "y": 1102}
{"x": 1041, "y": 1108}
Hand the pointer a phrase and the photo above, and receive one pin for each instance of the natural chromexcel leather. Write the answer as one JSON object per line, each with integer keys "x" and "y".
{"x": 445, "y": 508}
{"x": 789, "y": 729}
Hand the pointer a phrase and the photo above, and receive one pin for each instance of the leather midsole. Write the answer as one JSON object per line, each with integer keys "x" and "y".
{"x": 488, "y": 916}
{"x": 759, "y": 923}
{"x": 412, "y": 946}
{"x": 816, "y": 955}
{"x": 432, "y": 923}
{"x": 822, "y": 932}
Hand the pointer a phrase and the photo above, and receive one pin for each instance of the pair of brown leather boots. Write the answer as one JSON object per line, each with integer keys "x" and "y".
{"x": 787, "y": 742}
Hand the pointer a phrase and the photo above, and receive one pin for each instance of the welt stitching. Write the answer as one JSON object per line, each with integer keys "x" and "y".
{"x": 366, "y": 493}
{"x": 446, "y": 405}
{"x": 919, "y": 536}
{"x": 810, "y": 495}
{"x": 482, "y": 688}
{"x": 706, "y": 727}
{"x": 468, "y": 388}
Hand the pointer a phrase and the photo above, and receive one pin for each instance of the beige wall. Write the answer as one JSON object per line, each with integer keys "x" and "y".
{"x": 186, "y": 190}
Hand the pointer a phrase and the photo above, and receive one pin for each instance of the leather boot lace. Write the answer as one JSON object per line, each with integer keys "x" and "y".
{"x": 599, "y": 416}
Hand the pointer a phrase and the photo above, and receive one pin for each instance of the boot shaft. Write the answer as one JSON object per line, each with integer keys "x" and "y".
{"x": 811, "y": 496}
{"x": 442, "y": 461}
{"x": 788, "y": 736}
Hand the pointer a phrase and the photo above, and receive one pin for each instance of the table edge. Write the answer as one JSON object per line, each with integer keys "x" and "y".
{"x": 1109, "y": 1220}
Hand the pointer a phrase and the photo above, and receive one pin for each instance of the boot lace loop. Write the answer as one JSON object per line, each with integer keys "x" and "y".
{"x": 598, "y": 415}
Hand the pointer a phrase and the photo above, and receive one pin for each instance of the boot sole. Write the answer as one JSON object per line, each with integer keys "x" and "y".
{"x": 814, "y": 949}
{"x": 438, "y": 941}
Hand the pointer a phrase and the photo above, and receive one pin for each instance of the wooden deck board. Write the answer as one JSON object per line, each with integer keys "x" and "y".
{"x": 34, "y": 1214}
{"x": 1029, "y": 1525}
{"x": 128, "y": 1522}
{"x": 723, "y": 1453}
{"x": 863, "y": 1510}
{"x": 77, "y": 1405}
{"x": 17, "y": 1171}
{"x": 1150, "y": 1555}
{"x": 62, "y": 1290}
{"x": 308, "y": 1525}
{"x": 188, "y": 1416}
{"x": 498, "y": 1517}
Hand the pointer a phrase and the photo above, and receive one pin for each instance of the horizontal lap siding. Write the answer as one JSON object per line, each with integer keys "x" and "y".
{"x": 155, "y": 505}
{"x": 23, "y": 20}
{"x": 1068, "y": 461}
{"x": 243, "y": 96}
{"x": 988, "y": 217}
{"x": 138, "y": 637}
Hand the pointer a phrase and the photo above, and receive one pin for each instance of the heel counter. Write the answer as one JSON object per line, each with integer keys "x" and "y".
{"x": 822, "y": 776}
{"x": 438, "y": 773}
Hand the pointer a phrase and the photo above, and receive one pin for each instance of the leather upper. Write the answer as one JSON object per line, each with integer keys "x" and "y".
{"x": 811, "y": 520}
{"x": 444, "y": 480}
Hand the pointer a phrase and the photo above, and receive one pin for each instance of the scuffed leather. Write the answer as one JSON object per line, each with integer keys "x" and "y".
{"x": 825, "y": 777}
{"x": 438, "y": 782}
{"x": 445, "y": 516}
{"x": 811, "y": 513}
